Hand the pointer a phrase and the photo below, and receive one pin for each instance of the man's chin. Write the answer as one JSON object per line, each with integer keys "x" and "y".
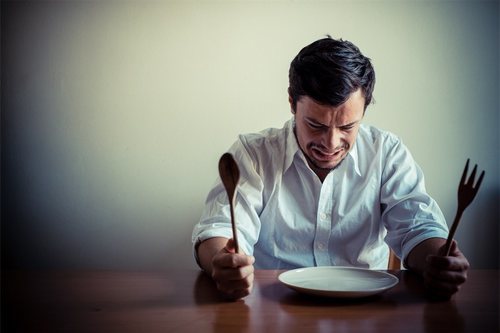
{"x": 323, "y": 165}
{"x": 327, "y": 165}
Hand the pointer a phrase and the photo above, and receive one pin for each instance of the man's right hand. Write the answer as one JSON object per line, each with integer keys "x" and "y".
{"x": 232, "y": 272}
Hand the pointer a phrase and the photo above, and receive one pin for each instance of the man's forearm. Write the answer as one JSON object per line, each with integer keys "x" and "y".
{"x": 417, "y": 257}
{"x": 207, "y": 249}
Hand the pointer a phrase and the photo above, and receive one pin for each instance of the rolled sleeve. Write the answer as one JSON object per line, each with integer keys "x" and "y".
{"x": 410, "y": 215}
{"x": 215, "y": 220}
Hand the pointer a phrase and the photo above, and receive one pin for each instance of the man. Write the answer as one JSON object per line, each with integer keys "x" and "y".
{"x": 326, "y": 190}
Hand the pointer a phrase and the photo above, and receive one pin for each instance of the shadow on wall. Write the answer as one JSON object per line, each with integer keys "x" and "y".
{"x": 482, "y": 232}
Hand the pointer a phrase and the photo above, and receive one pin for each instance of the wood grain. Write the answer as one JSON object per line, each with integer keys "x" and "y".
{"x": 187, "y": 301}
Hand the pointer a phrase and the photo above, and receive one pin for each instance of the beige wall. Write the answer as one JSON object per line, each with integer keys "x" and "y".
{"x": 114, "y": 113}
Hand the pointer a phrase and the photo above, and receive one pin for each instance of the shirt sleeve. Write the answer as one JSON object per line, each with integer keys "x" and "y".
{"x": 409, "y": 214}
{"x": 215, "y": 220}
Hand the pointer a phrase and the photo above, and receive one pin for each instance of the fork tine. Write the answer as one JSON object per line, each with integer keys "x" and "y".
{"x": 470, "y": 181}
{"x": 466, "y": 193}
{"x": 479, "y": 181}
{"x": 462, "y": 181}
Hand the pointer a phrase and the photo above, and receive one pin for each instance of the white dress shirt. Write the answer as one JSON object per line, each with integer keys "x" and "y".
{"x": 287, "y": 218}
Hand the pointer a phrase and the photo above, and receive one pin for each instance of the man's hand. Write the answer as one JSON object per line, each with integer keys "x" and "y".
{"x": 443, "y": 275}
{"x": 233, "y": 272}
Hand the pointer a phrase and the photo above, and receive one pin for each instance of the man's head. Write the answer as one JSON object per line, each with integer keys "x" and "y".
{"x": 331, "y": 84}
{"x": 329, "y": 71}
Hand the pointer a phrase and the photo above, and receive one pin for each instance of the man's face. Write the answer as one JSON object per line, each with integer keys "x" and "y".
{"x": 325, "y": 133}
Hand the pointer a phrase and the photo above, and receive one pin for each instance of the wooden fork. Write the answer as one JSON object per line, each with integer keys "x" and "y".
{"x": 466, "y": 193}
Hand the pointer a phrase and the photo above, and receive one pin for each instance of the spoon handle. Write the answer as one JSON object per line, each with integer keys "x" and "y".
{"x": 233, "y": 225}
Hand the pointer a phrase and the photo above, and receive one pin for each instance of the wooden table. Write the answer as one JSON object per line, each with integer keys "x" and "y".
{"x": 187, "y": 301}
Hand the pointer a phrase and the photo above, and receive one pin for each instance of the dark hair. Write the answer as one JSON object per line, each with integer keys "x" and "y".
{"x": 328, "y": 71}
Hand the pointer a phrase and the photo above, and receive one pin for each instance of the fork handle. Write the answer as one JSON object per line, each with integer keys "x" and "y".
{"x": 452, "y": 231}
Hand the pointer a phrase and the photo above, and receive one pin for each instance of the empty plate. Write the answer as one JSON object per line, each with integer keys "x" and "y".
{"x": 333, "y": 281}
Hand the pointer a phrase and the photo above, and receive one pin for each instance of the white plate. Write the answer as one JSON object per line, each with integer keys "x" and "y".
{"x": 348, "y": 282}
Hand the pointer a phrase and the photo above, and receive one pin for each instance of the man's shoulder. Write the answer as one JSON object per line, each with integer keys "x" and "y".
{"x": 267, "y": 139}
{"x": 372, "y": 135}
{"x": 268, "y": 149}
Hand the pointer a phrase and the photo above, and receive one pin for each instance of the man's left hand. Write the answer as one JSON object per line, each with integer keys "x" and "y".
{"x": 443, "y": 275}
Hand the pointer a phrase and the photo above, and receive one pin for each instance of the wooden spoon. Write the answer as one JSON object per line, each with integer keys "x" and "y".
{"x": 230, "y": 175}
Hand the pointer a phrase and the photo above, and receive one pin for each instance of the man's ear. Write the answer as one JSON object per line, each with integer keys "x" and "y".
{"x": 290, "y": 100}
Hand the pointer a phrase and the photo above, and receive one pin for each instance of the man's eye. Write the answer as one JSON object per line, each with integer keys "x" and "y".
{"x": 315, "y": 126}
{"x": 347, "y": 128}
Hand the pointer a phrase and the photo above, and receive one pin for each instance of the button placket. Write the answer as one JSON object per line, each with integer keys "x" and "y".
{"x": 323, "y": 223}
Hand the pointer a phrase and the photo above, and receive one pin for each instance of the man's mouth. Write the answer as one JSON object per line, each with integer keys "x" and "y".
{"x": 325, "y": 155}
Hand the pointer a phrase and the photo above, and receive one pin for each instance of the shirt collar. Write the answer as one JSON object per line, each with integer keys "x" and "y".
{"x": 292, "y": 149}
{"x": 353, "y": 155}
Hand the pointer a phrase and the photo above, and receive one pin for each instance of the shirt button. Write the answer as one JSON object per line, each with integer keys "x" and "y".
{"x": 322, "y": 216}
{"x": 321, "y": 246}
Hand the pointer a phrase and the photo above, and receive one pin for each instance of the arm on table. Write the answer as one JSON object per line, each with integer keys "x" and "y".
{"x": 232, "y": 272}
{"x": 443, "y": 275}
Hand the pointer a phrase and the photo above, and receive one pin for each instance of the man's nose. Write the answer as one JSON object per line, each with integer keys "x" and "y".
{"x": 332, "y": 138}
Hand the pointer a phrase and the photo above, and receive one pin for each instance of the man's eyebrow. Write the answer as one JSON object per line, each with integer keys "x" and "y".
{"x": 312, "y": 120}
{"x": 350, "y": 124}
